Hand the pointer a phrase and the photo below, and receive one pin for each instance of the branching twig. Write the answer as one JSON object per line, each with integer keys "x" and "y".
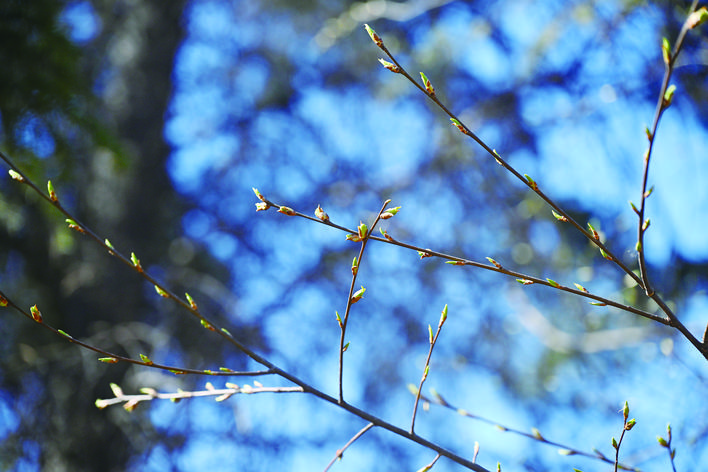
{"x": 134, "y": 263}
{"x": 666, "y": 443}
{"x": 694, "y": 19}
{"x": 558, "y": 212}
{"x": 664, "y": 101}
{"x": 535, "y": 434}
{"x": 112, "y": 358}
{"x": 362, "y": 236}
{"x": 627, "y": 426}
{"x": 494, "y": 267}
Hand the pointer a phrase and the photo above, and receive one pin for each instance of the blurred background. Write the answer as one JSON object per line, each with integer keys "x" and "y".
{"x": 154, "y": 120}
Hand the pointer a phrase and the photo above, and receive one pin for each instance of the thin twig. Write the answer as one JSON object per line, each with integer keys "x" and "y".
{"x": 592, "y": 235}
{"x": 272, "y": 368}
{"x": 530, "y": 183}
{"x": 534, "y": 435}
{"x": 432, "y": 340}
{"x": 495, "y": 268}
{"x": 340, "y": 452}
{"x": 221, "y": 394}
{"x": 430, "y": 465}
{"x": 112, "y": 358}
{"x": 661, "y": 106}
{"x": 350, "y": 301}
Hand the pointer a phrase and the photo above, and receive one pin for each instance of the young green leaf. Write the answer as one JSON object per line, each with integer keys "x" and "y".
{"x": 389, "y": 213}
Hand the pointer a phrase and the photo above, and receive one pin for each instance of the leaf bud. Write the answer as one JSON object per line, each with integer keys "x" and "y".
{"x": 136, "y": 262}
{"x": 390, "y": 66}
{"x": 320, "y": 213}
{"x": 50, "y": 190}
{"x": 362, "y": 230}
{"x": 36, "y": 315}
{"x": 286, "y": 211}
{"x": 374, "y": 37}
{"x": 428, "y": 86}
{"x": 16, "y": 175}
{"x": 258, "y": 194}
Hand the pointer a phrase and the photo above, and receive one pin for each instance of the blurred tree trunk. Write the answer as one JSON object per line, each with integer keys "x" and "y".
{"x": 126, "y": 196}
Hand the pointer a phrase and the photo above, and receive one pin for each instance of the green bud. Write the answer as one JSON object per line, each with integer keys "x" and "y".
{"x": 50, "y": 190}
{"x": 428, "y": 86}
{"x": 443, "y": 315}
{"x": 16, "y": 175}
{"x": 666, "y": 50}
{"x": 374, "y": 37}
{"x": 258, "y": 194}
{"x": 669, "y": 96}
{"x": 559, "y": 217}
{"x": 390, "y": 66}
{"x": 145, "y": 359}
{"x": 136, "y": 262}
{"x": 532, "y": 183}
{"x": 36, "y": 315}
{"x": 191, "y": 301}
